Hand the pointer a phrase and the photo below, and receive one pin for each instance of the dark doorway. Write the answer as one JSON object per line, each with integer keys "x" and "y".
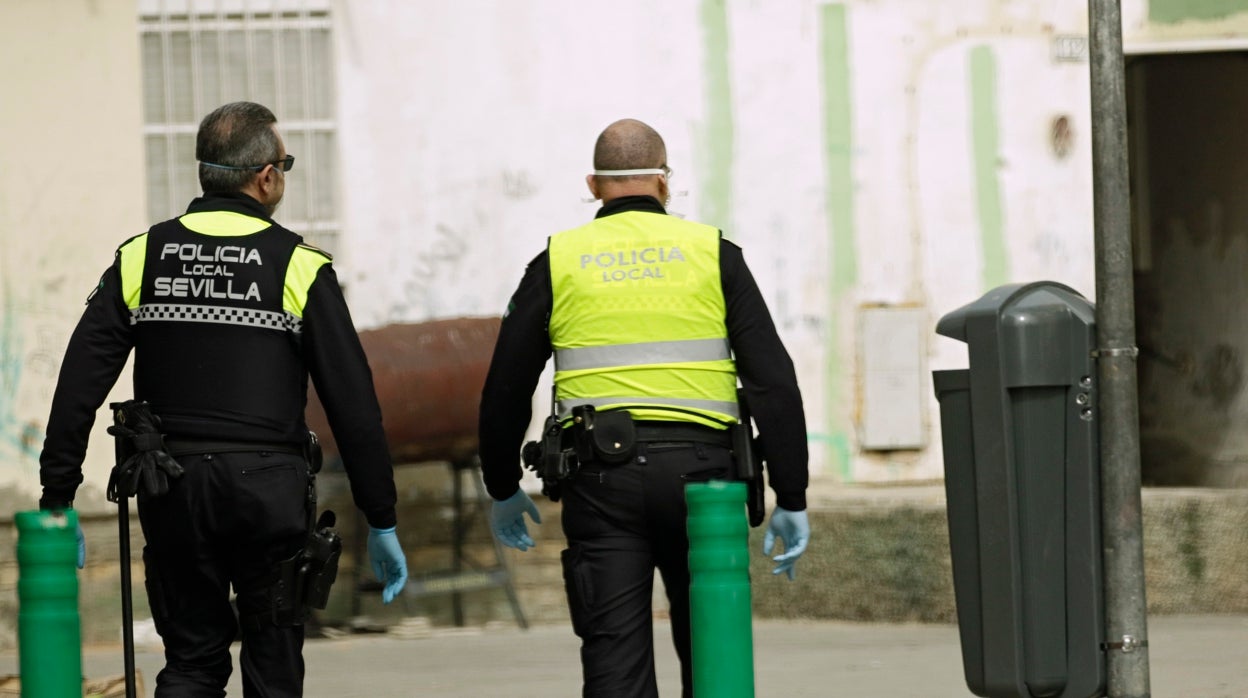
{"x": 1187, "y": 117}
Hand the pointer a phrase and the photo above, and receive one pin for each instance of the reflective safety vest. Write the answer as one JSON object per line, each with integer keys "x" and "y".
{"x": 216, "y": 299}
{"x": 638, "y": 320}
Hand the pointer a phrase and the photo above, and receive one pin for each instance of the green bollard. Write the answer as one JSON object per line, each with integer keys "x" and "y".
{"x": 49, "y": 639}
{"x": 719, "y": 590}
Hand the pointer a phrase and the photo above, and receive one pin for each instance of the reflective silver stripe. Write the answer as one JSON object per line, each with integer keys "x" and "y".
{"x": 171, "y": 312}
{"x": 639, "y": 402}
{"x": 680, "y": 351}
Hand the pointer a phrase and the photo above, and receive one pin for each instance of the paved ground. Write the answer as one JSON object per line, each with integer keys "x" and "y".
{"x": 1190, "y": 657}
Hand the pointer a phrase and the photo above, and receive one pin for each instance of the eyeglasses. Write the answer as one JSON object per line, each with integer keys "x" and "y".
{"x": 284, "y": 165}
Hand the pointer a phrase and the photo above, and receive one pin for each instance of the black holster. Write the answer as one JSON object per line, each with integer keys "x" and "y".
{"x": 304, "y": 580}
{"x": 312, "y": 452}
{"x": 549, "y": 459}
{"x": 748, "y": 461}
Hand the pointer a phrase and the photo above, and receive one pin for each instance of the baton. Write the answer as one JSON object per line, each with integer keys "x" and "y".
{"x": 123, "y": 544}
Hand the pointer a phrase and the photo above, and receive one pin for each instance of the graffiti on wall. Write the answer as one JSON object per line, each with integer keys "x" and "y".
{"x": 419, "y": 299}
{"x": 438, "y": 279}
{"x": 27, "y": 375}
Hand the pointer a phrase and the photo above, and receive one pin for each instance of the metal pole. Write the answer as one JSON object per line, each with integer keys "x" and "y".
{"x": 127, "y": 604}
{"x": 458, "y": 535}
{"x": 1125, "y": 609}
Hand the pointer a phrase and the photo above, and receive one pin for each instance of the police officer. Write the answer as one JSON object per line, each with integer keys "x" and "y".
{"x": 227, "y": 313}
{"x": 659, "y": 316}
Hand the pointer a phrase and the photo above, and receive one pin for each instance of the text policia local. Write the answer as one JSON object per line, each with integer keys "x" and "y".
{"x": 632, "y": 264}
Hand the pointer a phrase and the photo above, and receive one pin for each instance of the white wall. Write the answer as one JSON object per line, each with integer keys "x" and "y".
{"x": 872, "y": 152}
{"x": 467, "y": 130}
{"x": 71, "y": 190}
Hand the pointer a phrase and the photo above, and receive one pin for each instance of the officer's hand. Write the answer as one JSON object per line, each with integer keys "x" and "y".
{"x": 507, "y": 520}
{"x": 82, "y": 548}
{"x": 389, "y": 563}
{"x": 793, "y": 529}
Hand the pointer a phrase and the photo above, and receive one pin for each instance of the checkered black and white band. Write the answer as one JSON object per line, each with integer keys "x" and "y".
{"x": 171, "y": 312}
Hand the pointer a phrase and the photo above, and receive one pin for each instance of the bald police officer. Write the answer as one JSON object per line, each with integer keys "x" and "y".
{"x": 656, "y": 318}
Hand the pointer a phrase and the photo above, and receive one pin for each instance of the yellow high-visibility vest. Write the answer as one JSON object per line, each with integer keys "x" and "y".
{"x": 638, "y": 320}
{"x": 301, "y": 270}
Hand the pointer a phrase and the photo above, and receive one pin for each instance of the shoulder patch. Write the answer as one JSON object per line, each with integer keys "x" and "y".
{"x": 130, "y": 239}
{"x": 314, "y": 248}
{"x": 97, "y": 288}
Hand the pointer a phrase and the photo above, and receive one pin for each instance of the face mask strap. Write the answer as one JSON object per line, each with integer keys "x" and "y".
{"x": 626, "y": 173}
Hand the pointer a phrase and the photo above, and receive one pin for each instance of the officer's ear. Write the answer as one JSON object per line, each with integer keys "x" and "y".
{"x": 266, "y": 179}
{"x": 592, "y": 182}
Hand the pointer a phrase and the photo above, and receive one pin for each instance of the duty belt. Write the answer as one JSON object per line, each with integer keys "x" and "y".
{"x": 185, "y": 447}
{"x": 676, "y": 432}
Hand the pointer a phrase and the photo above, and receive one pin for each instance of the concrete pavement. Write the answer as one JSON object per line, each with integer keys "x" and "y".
{"x": 1190, "y": 657}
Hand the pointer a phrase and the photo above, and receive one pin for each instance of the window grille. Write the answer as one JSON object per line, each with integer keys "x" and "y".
{"x": 200, "y": 54}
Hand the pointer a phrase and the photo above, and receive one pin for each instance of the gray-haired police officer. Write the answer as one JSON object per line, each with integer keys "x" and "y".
{"x": 227, "y": 313}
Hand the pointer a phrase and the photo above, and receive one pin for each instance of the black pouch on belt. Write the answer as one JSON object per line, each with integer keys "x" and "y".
{"x": 609, "y": 436}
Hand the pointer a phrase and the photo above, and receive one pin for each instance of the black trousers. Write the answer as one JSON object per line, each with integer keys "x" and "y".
{"x": 227, "y": 521}
{"x": 621, "y": 523}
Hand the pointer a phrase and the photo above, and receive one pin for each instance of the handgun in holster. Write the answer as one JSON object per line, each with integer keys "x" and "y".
{"x": 548, "y": 458}
{"x": 304, "y": 579}
{"x": 748, "y": 462}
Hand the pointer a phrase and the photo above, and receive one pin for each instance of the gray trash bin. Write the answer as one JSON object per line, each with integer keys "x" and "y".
{"x": 1022, "y": 477}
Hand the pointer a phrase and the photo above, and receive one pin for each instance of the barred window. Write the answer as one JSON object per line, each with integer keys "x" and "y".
{"x": 200, "y": 54}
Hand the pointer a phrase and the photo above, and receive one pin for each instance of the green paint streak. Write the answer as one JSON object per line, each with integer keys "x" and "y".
{"x": 10, "y": 361}
{"x": 837, "y": 449}
{"x": 22, "y": 438}
{"x": 715, "y": 196}
{"x": 1175, "y": 11}
{"x": 985, "y": 139}
{"x": 843, "y": 264}
{"x": 838, "y": 144}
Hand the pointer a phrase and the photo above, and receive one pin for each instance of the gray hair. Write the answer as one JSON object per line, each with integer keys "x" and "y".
{"x": 239, "y": 134}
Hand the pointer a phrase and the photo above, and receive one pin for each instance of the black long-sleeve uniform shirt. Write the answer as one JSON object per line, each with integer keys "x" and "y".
{"x": 764, "y": 367}
{"x": 329, "y": 348}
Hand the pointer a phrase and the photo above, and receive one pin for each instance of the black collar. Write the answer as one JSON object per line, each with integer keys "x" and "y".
{"x": 646, "y": 204}
{"x": 236, "y": 202}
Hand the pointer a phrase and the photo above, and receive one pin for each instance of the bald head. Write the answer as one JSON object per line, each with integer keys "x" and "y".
{"x": 629, "y": 144}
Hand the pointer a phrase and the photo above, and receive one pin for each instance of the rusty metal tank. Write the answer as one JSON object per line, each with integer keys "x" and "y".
{"x": 428, "y": 378}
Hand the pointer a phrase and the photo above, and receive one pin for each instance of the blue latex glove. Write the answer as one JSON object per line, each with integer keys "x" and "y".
{"x": 389, "y": 563}
{"x": 82, "y": 548}
{"x": 793, "y": 529}
{"x": 507, "y": 520}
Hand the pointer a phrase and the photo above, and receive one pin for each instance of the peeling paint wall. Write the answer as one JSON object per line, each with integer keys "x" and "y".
{"x": 71, "y": 190}
{"x": 865, "y": 154}
{"x": 861, "y": 153}
{"x": 959, "y": 184}
{"x": 1152, "y": 25}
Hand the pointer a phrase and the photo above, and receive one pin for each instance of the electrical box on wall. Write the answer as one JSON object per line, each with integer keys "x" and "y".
{"x": 892, "y": 355}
